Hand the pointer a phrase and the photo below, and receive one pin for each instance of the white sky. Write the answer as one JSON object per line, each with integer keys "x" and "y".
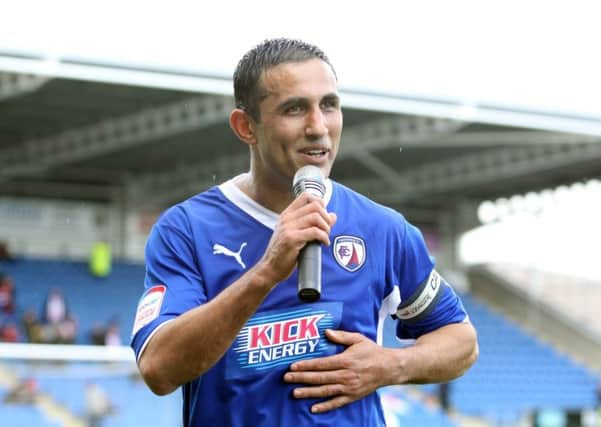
{"x": 557, "y": 230}
{"x": 538, "y": 54}
{"x": 529, "y": 53}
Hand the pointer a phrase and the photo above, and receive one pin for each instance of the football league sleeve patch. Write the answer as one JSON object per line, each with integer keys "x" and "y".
{"x": 149, "y": 307}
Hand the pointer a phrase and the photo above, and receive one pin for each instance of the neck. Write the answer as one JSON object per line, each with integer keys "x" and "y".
{"x": 276, "y": 198}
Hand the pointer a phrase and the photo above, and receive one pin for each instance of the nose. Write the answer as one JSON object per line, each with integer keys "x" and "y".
{"x": 316, "y": 126}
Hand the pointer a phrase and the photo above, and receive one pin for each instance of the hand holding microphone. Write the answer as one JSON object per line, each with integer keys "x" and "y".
{"x": 310, "y": 179}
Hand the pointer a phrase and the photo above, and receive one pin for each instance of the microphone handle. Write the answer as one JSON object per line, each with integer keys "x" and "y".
{"x": 309, "y": 272}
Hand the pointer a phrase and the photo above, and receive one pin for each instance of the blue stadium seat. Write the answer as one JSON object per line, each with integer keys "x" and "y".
{"x": 517, "y": 373}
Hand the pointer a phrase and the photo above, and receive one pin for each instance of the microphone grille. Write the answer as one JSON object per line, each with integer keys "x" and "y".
{"x": 309, "y": 178}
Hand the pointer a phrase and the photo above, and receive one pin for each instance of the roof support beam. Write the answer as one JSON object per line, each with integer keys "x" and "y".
{"x": 397, "y": 131}
{"x": 378, "y": 167}
{"x": 58, "y": 190}
{"x": 480, "y": 169}
{"x": 484, "y": 139}
{"x": 161, "y": 189}
{"x": 39, "y": 155}
{"x": 391, "y": 132}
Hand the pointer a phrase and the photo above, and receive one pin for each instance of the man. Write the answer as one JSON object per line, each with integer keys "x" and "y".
{"x": 220, "y": 314}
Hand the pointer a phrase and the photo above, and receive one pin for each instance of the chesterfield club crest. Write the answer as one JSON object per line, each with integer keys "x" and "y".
{"x": 349, "y": 252}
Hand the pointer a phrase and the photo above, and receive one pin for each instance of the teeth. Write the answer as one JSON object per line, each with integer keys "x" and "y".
{"x": 315, "y": 152}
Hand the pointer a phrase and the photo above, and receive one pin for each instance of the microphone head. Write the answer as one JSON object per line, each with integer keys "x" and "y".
{"x": 309, "y": 178}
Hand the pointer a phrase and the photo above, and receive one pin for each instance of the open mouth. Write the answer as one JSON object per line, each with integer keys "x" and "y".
{"x": 316, "y": 153}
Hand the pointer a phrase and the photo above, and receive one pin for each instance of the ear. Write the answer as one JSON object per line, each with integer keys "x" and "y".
{"x": 243, "y": 126}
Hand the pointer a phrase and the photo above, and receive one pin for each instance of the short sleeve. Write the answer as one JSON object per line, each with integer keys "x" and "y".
{"x": 428, "y": 302}
{"x": 173, "y": 282}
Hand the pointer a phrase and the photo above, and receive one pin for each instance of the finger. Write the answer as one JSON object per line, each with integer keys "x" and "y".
{"x": 328, "y": 405}
{"x": 332, "y": 218}
{"x": 317, "y": 378}
{"x": 322, "y": 391}
{"x": 306, "y": 201}
{"x": 344, "y": 337}
{"x": 314, "y": 234}
{"x": 304, "y": 229}
{"x": 313, "y": 219}
{"x": 329, "y": 363}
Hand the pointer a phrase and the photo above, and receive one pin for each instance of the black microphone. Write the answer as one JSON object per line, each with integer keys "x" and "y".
{"x": 309, "y": 178}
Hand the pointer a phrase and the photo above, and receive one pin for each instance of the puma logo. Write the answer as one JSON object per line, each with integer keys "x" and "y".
{"x": 222, "y": 250}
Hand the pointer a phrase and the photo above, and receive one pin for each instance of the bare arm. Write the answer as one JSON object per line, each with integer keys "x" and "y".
{"x": 189, "y": 345}
{"x": 364, "y": 366}
{"x": 440, "y": 356}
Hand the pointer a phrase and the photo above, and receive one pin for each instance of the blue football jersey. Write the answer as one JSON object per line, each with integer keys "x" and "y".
{"x": 376, "y": 266}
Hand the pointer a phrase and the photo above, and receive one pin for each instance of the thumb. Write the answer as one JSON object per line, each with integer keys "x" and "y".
{"x": 333, "y": 218}
{"x": 343, "y": 337}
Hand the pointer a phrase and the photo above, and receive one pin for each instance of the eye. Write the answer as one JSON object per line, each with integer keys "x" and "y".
{"x": 293, "y": 109}
{"x": 330, "y": 104}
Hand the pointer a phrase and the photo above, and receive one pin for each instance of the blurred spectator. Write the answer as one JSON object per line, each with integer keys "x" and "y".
{"x": 98, "y": 405}
{"x": 100, "y": 259}
{"x": 24, "y": 392}
{"x": 109, "y": 335}
{"x": 97, "y": 334}
{"x": 112, "y": 336}
{"x": 4, "y": 252}
{"x": 55, "y": 307}
{"x": 58, "y": 325}
{"x": 7, "y": 295}
{"x": 67, "y": 330}
{"x": 9, "y": 332}
{"x": 33, "y": 328}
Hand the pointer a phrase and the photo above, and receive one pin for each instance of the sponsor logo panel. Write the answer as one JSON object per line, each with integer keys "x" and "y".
{"x": 275, "y": 338}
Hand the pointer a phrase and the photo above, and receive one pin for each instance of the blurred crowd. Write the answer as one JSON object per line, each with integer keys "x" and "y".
{"x": 53, "y": 323}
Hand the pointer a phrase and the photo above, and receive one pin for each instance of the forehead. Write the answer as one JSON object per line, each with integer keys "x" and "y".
{"x": 313, "y": 78}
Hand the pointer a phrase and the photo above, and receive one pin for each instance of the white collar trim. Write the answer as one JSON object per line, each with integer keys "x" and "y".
{"x": 265, "y": 216}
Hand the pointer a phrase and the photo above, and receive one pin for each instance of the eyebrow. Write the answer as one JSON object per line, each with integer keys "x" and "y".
{"x": 299, "y": 100}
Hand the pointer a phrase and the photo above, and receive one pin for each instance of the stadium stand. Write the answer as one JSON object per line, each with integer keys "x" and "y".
{"x": 576, "y": 298}
{"x": 515, "y": 375}
{"x": 537, "y": 315}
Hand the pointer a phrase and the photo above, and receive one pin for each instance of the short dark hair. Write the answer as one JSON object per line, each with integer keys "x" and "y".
{"x": 262, "y": 57}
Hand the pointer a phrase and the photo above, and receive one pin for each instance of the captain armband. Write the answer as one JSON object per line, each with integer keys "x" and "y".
{"x": 423, "y": 301}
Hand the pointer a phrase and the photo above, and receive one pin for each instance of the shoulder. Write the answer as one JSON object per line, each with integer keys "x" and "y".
{"x": 183, "y": 213}
{"x": 368, "y": 210}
